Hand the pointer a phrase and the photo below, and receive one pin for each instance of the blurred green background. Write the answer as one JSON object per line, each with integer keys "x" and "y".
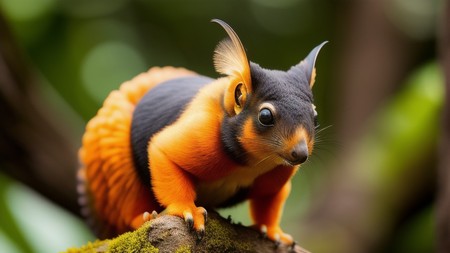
{"x": 371, "y": 184}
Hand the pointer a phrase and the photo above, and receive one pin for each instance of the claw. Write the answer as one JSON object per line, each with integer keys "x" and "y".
{"x": 193, "y": 216}
{"x": 292, "y": 247}
{"x": 154, "y": 214}
{"x": 205, "y": 215}
{"x": 263, "y": 231}
{"x": 277, "y": 241}
{"x": 276, "y": 235}
{"x": 229, "y": 219}
{"x": 146, "y": 216}
{"x": 201, "y": 233}
{"x": 189, "y": 220}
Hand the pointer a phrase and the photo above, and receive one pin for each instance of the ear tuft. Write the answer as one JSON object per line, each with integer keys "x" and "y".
{"x": 229, "y": 57}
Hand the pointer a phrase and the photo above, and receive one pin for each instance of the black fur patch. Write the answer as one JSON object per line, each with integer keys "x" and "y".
{"x": 160, "y": 107}
{"x": 288, "y": 92}
{"x": 231, "y": 130}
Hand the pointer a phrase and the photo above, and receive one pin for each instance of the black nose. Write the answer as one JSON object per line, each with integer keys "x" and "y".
{"x": 299, "y": 153}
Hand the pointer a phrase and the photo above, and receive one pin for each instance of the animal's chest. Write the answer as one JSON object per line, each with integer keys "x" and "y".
{"x": 231, "y": 189}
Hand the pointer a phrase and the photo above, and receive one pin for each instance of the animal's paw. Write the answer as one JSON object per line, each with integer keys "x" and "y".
{"x": 149, "y": 216}
{"x": 275, "y": 234}
{"x": 195, "y": 217}
{"x": 142, "y": 218}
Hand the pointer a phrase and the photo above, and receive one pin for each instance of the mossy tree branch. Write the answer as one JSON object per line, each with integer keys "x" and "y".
{"x": 170, "y": 234}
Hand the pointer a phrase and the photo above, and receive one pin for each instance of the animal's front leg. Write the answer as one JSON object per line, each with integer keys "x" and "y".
{"x": 266, "y": 212}
{"x": 175, "y": 189}
{"x": 267, "y": 199}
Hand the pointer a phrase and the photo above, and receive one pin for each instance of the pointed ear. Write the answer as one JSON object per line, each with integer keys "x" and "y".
{"x": 308, "y": 64}
{"x": 230, "y": 59}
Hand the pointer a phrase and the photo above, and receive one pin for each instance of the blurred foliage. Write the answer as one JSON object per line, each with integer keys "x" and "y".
{"x": 390, "y": 159}
{"x": 408, "y": 122}
{"x": 83, "y": 49}
{"x": 87, "y": 48}
{"x": 30, "y": 223}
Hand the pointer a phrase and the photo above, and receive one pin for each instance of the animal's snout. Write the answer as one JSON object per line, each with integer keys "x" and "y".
{"x": 299, "y": 154}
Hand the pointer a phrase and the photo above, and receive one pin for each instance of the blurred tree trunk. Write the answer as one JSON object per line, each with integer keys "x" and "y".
{"x": 355, "y": 213}
{"x": 375, "y": 57}
{"x": 34, "y": 149}
{"x": 443, "y": 201}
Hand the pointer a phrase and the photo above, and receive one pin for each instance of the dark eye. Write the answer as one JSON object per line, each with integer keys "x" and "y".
{"x": 265, "y": 117}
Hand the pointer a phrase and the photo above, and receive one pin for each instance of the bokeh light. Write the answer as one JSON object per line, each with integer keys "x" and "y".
{"x": 107, "y": 65}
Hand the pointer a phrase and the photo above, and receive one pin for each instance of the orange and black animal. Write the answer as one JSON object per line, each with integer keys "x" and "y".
{"x": 174, "y": 141}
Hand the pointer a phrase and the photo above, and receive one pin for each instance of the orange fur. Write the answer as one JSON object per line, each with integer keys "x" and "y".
{"x": 114, "y": 192}
{"x": 313, "y": 78}
{"x": 267, "y": 199}
{"x": 299, "y": 135}
{"x": 193, "y": 141}
{"x": 189, "y": 151}
{"x": 251, "y": 141}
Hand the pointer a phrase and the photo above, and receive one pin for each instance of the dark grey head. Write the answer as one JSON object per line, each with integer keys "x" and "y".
{"x": 270, "y": 113}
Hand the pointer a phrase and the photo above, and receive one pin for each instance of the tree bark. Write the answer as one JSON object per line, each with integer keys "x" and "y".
{"x": 170, "y": 234}
{"x": 375, "y": 57}
{"x": 443, "y": 199}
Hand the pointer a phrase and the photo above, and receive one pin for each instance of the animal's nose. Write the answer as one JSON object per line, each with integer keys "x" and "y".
{"x": 299, "y": 153}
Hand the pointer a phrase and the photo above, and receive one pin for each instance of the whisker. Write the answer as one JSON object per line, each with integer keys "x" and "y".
{"x": 320, "y": 130}
{"x": 264, "y": 159}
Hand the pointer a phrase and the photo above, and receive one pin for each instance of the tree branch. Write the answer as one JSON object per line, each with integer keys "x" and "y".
{"x": 170, "y": 234}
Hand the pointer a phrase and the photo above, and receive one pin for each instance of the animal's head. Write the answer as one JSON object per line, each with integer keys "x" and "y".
{"x": 269, "y": 113}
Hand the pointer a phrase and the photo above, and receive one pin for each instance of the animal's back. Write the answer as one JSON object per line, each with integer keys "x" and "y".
{"x": 111, "y": 193}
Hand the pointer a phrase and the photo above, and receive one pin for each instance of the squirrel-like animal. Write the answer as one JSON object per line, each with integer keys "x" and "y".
{"x": 174, "y": 141}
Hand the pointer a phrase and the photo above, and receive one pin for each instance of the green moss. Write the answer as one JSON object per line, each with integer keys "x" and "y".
{"x": 224, "y": 238}
{"x": 93, "y": 247}
{"x": 133, "y": 242}
{"x": 128, "y": 242}
{"x": 183, "y": 249}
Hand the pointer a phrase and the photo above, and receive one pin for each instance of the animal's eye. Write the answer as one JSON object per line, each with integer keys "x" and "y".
{"x": 265, "y": 117}
{"x": 238, "y": 95}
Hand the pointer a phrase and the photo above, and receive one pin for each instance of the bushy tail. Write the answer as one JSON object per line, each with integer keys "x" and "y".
{"x": 111, "y": 196}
